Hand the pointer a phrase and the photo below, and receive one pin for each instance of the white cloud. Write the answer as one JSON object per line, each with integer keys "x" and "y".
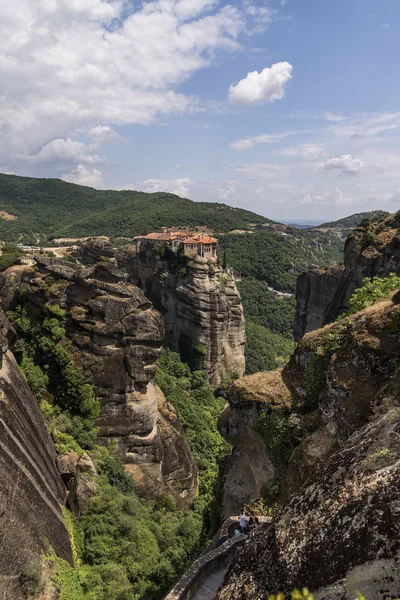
{"x": 346, "y": 164}
{"x": 261, "y": 169}
{"x": 104, "y": 134}
{"x": 227, "y": 191}
{"x": 188, "y": 9}
{"x": 267, "y": 138}
{"x": 75, "y": 65}
{"x": 333, "y": 197}
{"x": 259, "y": 88}
{"x": 262, "y": 16}
{"x": 305, "y": 151}
{"x": 83, "y": 176}
{"x": 64, "y": 152}
{"x": 361, "y": 125}
{"x": 395, "y": 199}
{"x": 180, "y": 187}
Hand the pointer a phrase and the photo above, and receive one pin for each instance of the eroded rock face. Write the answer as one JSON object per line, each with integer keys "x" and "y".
{"x": 315, "y": 291}
{"x": 31, "y": 489}
{"x": 372, "y": 250}
{"x": 94, "y": 250}
{"x": 337, "y": 531}
{"x": 117, "y": 336}
{"x": 200, "y": 304}
{"x": 338, "y": 535}
{"x": 250, "y": 470}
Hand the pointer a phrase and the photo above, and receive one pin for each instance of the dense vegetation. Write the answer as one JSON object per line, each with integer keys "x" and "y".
{"x": 44, "y": 207}
{"x": 126, "y": 548}
{"x": 269, "y": 324}
{"x": 262, "y": 259}
{"x": 264, "y": 349}
{"x": 266, "y": 308}
{"x": 354, "y": 220}
{"x": 198, "y": 409}
{"x": 372, "y": 291}
{"x": 10, "y": 255}
{"x": 267, "y": 256}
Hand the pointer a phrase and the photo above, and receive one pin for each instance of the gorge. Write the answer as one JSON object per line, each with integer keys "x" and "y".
{"x": 132, "y": 445}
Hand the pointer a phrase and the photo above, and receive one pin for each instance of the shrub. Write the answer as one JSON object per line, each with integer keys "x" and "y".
{"x": 278, "y": 439}
{"x": 183, "y": 272}
{"x": 116, "y": 474}
{"x": 10, "y": 255}
{"x": 315, "y": 376}
{"x": 31, "y": 580}
{"x": 372, "y": 291}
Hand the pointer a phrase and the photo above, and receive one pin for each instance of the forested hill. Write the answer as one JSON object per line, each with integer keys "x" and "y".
{"x": 354, "y": 220}
{"x": 45, "y": 208}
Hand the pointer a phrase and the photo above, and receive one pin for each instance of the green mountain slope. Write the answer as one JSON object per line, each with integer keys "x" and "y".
{"x": 278, "y": 259}
{"x": 53, "y": 208}
{"x": 354, "y": 220}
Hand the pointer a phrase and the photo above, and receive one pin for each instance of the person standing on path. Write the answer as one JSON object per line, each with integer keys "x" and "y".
{"x": 243, "y": 522}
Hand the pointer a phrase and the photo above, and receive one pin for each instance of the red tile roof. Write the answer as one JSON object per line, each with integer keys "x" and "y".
{"x": 200, "y": 239}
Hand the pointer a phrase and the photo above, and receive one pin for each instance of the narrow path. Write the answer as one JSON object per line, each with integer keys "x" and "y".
{"x": 210, "y": 586}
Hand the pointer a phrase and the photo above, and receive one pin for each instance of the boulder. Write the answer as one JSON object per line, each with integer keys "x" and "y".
{"x": 86, "y": 465}
{"x": 82, "y": 488}
{"x": 66, "y": 465}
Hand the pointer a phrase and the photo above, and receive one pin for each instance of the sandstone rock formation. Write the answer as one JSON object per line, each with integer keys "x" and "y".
{"x": 338, "y": 535}
{"x": 117, "y": 336}
{"x": 338, "y": 529}
{"x": 315, "y": 291}
{"x": 250, "y": 470}
{"x": 94, "y": 250}
{"x": 371, "y": 250}
{"x": 200, "y": 304}
{"x": 31, "y": 489}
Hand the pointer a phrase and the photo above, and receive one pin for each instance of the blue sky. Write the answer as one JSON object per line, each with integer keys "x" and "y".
{"x": 290, "y": 109}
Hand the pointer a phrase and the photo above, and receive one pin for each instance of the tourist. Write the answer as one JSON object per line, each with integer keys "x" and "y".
{"x": 237, "y": 532}
{"x": 243, "y": 522}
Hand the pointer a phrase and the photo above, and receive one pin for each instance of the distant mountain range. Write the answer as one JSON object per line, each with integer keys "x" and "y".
{"x": 34, "y": 209}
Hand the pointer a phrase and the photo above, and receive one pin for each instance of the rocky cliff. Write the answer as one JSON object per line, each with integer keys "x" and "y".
{"x": 31, "y": 490}
{"x": 371, "y": 250}
{"x": 200, "y": 303}
{"x": 117, "y": 336}
{"x": 337, "y": 403}
{"x": 250, "y": 470}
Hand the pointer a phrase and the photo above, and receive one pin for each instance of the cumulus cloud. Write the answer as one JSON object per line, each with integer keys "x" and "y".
{"x": 346, "y": 164}
{"x": 180, "y": 187}
{"x": 267, "y": 138}
{"x": 64, "y": 152}
{"x": 76, "y": 65}
{"x": 188, "y": 9}
{"x": 259, "y": 88}
{"x": 83, "y": 176}
{"x": 104, "y": 134}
